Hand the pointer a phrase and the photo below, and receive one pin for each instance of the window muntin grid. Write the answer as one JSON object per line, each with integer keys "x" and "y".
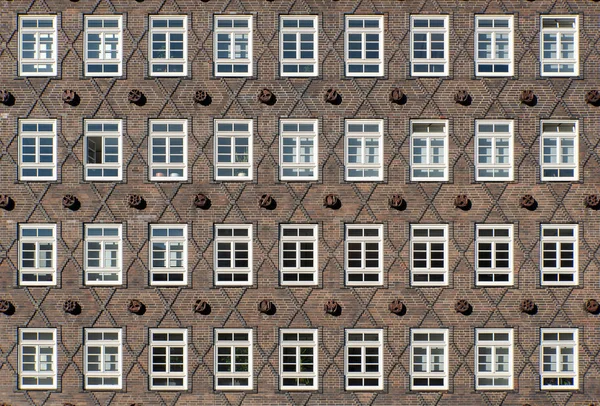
{"x": 103, "y": 359}
{"x": 494, "y": 150}
{"x": 103, "y": 150}
{"x": 363, "y": 360}
{"x": 298, "y": 149}
{"x": 233, "y": 45}
{"x": 363, "y": 259}
{"x": 233, "y": 254}
{"x": 429, "y": 45}
{"x": 559, "y": 253}
{"x": 559, "y": 45}
{"x": 37, "y": 254}
{"x": 429, "y": 150}
{"x": 168, "y": 359}
{"x": 299, "y": 254}
{"x": 233, "y": 359}
{"x": 38, "y": 45}
{"x": 168, "y": 46}
{"x": 364, "y": 150}
{"x": 494, "y": 45}
{"x": 429, "y": 359}
{"x": 363, "y": 41}
{"x": 494, "y": 359}
{"x": 429, "y": 254}
{"x": 103, "y": 254}
{"x": 168, "y": 150}
{"x": 298, "y": 45}
{"x": 168, "y": 254}
{"x": 233, "y": 149}
{"x": 559, "y": 365}
{"x": 37, "y": 359}
{"x": 37, "y": 150}
{"x": 299, "y": 356}
{"x": 494, "y": 255}
{"x": 559, "y": 150}
{"x": 103, "y": 45}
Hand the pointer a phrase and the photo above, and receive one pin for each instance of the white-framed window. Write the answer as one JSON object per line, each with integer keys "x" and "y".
{"x": 429, "y": 359}
{"x": 299, "y": 254}
{"x": 103, "y": 359}
{"x": 233, "y": 359}
{"x": 494, "y": 150}
{"x": 233, "y": 45}
{"x": 559, "y": 360}
{"x": 103, "y": 45}
{"x": 37, "y": 358}
{"x": 233, "y": 254}
{"x": 559, "y": 254}
{"x": 560, "y": 150}
{"x": 299, "y": 45}
{"x": 168, "y": 45}
{"x": 103, "y": 150}
{"x": 37, "y": 254}
{"x": 559, "y": 45}
{"x": 429, "y": 150}
{"x": 168, "y": 359}
{"x": 233, "y": 149}
{"x": 168, "y": 150}
{"x": 298, "y": 149}
{"x": 37, "y": 45}
{"x": 494, "y": 254}
{"x": 429, "y": 254}
{"x": 364, "y": 254}
{"x": 363, "y": 360}
{"x": 103, "y": 254}
{"x": 364, "y": 45}
{"x": 364, "y": 150}
{"x": 494, "y": 359}
{"x": 37, "y": 151}
{"x": 298, "y": 359}
{"x": 429, "y": 45}
{"x": 168, "y": 254}
{"x": 494, "y": 45}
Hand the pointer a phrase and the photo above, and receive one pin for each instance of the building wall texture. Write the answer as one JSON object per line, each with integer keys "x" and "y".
{"x": 301, "y": 202}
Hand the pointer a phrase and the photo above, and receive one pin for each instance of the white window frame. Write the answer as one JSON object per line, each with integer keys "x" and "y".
{"x": 559, "y": 241}
{"x": 428, "y": 137}
{"x": 37, "y": 32}
{"x": 298, "y": 345}
{"x": 560, "y": 137}
{"x": 167, "y": 31}
{"x": 234, "y": 135}
{"x": 363, "y": 345}
{"x": 218, "y": 62}
{"x": 428, "y": 346}
{"x": 168, "y": 345}
{"x": 364, "y": 31}
{"x": 37, "y": 345}
{"x": 429, "y": 240}
{"x": 103, "y": 166}
{"x": 167, "y": 240}
{"x": 494, "y": 32}
{"x": 233, "y": 270}
{"x": 233, "y": 345}
{"x": 496, "y": 351}
{"x": 495, "y": 136}
{"x": 494, "y": 240}
{"x": 445, "y": 62}
{"x": 559, "y": 345}
{"x": 363, "y": 136}
{"x": 298, "y": 149}
{"x": 37, "y": 135}
{"x": 170, "y": 169}
{"x": 37, "y": 240}
{"x": 297, "y": 241}
{"x": 363, "y": 241}
{"x": 103, "y": 240}
{"x": 102, "y": 345}
{"x": 558, "y": 31}
{"x": 103, "y": 33}
{"x": 298, "y": 32}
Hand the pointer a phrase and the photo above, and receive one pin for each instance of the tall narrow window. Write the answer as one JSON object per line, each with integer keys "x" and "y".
{"x": 299, "y": 45}
{"x": 429, "y": 359}
{"x": 233, "y": 254}
{"x": 168, "y": 150}
{"x": 494, "y": 262}
{"x": 364, "y": 359}
{"x": 299, "y": 149}
{"x": 429, "y": 45}
{"x": 429, "y": 258}
{"x": 559, "y": 358}
{"x": 37, "y": 152}
{"x": 559, "y": 254}
{"x": 364, "y": 150}
{"x": 233, "y": 359}
{"x": 168, "y": 254}
{"x": 103, "y": 254}
{"x": 494, "y": 359}
{"x": 103, "y": 359}
{"x": 103, "y": 45}
{"x": 364, "y": 45}
{"x": 364, "y": 254}
{"x": 429, "y": 150}
{"x": 233, "y": 150}
{"x": 560, "y": 45}
{"x": 37, "y": 358}
{"x": 494, "y": 45}
{"x": 37, "y": 254}
{"x": 37, "y": 45}
{"x": 168, "y": 359}
{"x": 168, "y": 46}
{"x": 103, "y": 150}
{"x": 233, "y": 45}
{"x": 298, "y": 359}
{"x": 298, "y": 254}
{"x": 494, "y": 150}
{"x": 560, "y": 149}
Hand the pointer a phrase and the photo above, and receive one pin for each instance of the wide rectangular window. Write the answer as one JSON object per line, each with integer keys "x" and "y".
{"x": 37, "y": 151}
{"x": 559, "y": 45}
{"x": 429, "y": 254}
{"x": 429, "y": 150}
{"x": 559, "y": 358}
{"x": 168, "y": 150}
{"x": 494, "y": 359}
{"x": 364, "y": 254}
{"x": 363, "y": 360}
{"x": 103, "y": 45}
{"x": 233, "y": 149}
{"x": 364, "y": 45}
{"x": 299, "y": 258}
{"x": 233, "y": 359}
{"x": 299, "y": 149}
{"x": 168, "y": 46}
{"x": 493, "y": 150}
{"x": 299, "y": 45}
{"x": 103, "y": 254}
{"x": 429, "y": 359}
{"x": 560, "y": 150}
{"x": 168, "y": 254}
{"x": 298, "y": 359}
{"x": 103, "y": 150}
{"x": 494, "y": 255}
{"x": 37, "y": 45}
{"x": 37, "y": 358}
{"x": 559, "y": 254}
{"x": 233, "y": 254}
{"x": 233, "y": 45}
{"x": 37, "y": 254}
{"x": 364, "y": 150}
{"x": 429, "y": 45}
{"x": 103, "y": 359}
{"x": 168, "y": 359}
{"x": 494, "y": 45}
